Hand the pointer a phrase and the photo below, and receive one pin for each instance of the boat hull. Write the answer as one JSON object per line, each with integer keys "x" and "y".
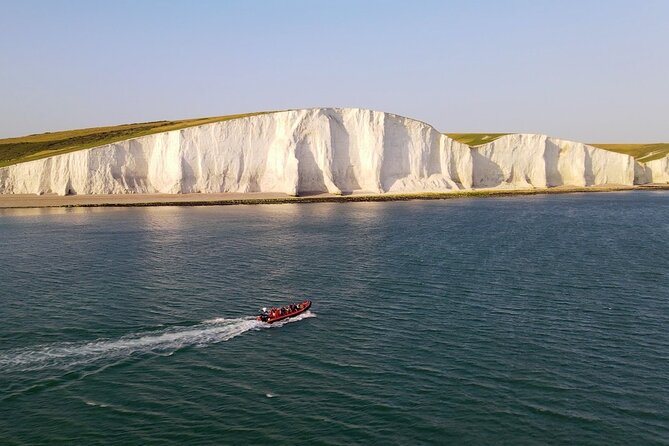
{"x": 304, "y": 306}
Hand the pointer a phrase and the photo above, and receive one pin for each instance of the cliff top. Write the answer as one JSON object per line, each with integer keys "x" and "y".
{"x": 641, "y": 152}
{"x": 33, "y": 147}
{"x": 475, "y": 139}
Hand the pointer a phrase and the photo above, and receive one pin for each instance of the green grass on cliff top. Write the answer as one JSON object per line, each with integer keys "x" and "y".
{"x": 475, "y": 139}
{"x": 33, "y": 147}
{"x": 641, "y": 152}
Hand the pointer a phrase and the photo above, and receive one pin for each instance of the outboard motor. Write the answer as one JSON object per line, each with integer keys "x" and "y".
{"x": 263, "y": 316}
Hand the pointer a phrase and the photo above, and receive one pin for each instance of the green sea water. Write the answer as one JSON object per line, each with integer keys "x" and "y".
{"x": 534, "y": 320}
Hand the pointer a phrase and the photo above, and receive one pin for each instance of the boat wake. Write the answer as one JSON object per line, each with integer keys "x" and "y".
{"x": 163, "y": 342}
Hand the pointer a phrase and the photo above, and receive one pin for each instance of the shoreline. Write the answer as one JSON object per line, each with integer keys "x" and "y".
{"x": 27, "y": 201}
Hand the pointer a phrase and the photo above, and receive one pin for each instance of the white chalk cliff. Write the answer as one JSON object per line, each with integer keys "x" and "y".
{"x": 527, "y": 161}
{"x": 323, "y": 150}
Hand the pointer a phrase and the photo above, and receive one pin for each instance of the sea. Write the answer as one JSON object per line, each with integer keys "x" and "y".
{"x": 533, "y": 320}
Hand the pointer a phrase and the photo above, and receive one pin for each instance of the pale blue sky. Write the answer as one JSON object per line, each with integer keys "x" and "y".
{"x": 588, "y": 70}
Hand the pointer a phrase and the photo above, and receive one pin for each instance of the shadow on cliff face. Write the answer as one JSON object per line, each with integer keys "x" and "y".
{"x": 129, "y": 168}
{"x": 188, "y": 177}
{"x": 343, "y": 173}
{"x": 588, "y": 173}
{"x": 642, "y": 173}
{"x": 69, "y": 190}
{"x": 485, "y": 172}
{"x": 309, "y": 175}
{"x": 396, "y": 163}
{"x": 551, "y": 158}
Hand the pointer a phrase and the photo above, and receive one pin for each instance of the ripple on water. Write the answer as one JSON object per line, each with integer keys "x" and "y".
{"x": 511, "y": 321}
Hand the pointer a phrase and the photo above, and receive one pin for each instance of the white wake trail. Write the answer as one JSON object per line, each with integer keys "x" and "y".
{"x": 69, "y": 355}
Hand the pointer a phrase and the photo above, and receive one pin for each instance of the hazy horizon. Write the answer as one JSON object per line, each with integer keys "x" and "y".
{"x": 589, "y": 71}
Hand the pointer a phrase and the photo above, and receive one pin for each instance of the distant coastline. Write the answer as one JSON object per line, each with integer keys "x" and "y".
{"x": 338, "y": 151}
{"x": 24, "y": 201}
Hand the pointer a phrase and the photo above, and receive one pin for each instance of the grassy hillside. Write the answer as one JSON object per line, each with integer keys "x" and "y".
{"x": 29, "y": 148}
{"x": 475, "y": 139}
{"x": 642, "y": 152}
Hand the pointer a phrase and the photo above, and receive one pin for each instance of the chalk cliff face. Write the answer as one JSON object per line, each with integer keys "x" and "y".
{"x": 327, "y": 150}
{"x": 656, "y": 171}
{"x": 323, "y": 150}
{"x": 526, "y": 161}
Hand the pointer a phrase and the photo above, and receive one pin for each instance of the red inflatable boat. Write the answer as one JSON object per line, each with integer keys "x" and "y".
{"x": 277, "y": 314}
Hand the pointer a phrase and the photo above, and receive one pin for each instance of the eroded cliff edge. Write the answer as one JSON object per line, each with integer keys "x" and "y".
{"x": 324, "y": 150}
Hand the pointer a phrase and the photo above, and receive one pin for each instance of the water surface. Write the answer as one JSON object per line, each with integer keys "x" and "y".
{"x": 529, "y": 320}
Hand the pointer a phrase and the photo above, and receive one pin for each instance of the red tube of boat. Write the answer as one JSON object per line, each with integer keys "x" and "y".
{"x": 278, "y": 314}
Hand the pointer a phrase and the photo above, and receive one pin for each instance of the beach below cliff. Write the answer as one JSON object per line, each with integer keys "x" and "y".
{"x": 9, "y": 201}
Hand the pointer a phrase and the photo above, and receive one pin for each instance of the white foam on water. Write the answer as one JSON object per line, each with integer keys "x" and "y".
{"x": 217, "y": 320}
{"x": 95, "y": 403}
{"x": 164, "y": 342}
{"x": 117, "y": 408}
{"x": 299, "y": 317}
